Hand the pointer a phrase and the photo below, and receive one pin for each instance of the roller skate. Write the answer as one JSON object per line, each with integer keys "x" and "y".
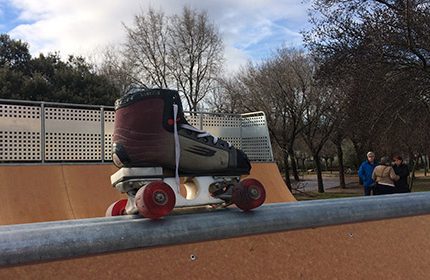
{"x": 166, "y": 163}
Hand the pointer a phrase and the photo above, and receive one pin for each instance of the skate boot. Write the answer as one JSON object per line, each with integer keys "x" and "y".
{"x": 144, "y": 136}
{"x": 154, "y": 146}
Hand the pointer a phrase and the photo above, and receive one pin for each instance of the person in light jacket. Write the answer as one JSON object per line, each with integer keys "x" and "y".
{"x": 384, "y": 176}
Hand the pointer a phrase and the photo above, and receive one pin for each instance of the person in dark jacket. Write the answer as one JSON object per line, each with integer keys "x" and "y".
{"x": 365, "y": 173}
{"x": 401, "y": 169}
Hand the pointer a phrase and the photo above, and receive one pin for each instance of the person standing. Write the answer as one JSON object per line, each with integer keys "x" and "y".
{"x": 401, "y": 169}
{"x": 365, "y": 173}
{"x": 384, "y": 176}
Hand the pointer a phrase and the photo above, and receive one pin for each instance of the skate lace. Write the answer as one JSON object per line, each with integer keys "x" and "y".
{"x": 203, "y": 133}
{"x": 177, "y": 148}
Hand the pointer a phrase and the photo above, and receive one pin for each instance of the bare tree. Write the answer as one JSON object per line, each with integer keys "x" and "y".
{"x": 319, "y": 124}
{"x": 117, "y": 69}
{"x": 377, "y": 52}
{"x": 278, "y": 87}
{"x": 292, "y": 78}
{"x": 146, "y": 49}
{"x": 184, "y": 52}
{"x": 195, "y": 52}
{"x": 226, "y": 97}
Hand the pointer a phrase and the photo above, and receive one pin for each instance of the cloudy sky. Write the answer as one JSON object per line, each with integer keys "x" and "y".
{"x": 251, "y": 29}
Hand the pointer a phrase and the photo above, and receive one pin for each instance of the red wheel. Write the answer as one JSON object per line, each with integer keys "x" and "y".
{"x": 248, "y": 194}
{"x": 155, "y": 200}
{"x": 117, "y": 208}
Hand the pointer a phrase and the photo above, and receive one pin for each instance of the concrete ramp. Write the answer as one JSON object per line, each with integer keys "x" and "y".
{"x": 39, "y": 193}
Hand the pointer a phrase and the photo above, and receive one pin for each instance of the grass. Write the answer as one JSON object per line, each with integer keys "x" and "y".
{"x": 420, "y": 184}
{"x": 326, "y": 195}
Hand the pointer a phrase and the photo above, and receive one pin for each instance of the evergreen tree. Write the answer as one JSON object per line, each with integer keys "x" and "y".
{"x": 48, "y": 78}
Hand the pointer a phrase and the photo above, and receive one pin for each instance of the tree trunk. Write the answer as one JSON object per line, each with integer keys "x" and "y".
{"x": 419, "y": 162}
{"x": 412, "y": 164}
{"x": 411, "y": 183}
{"x": 319, "y": 173}
{"x": 287, "y": 171}
{"x": 326, "y": 164}
{"x": 293, "y": 164}
{"x": 341, "y": 167}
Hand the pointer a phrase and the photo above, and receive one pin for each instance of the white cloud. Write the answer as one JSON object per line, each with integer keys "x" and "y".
{"x": 235, "y": 58}
{"x": 81, "y": 26}
{"x": 71, "y": 27}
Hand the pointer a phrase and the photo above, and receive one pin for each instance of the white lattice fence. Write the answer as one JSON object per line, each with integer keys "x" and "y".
{"x": 52, "y": 132}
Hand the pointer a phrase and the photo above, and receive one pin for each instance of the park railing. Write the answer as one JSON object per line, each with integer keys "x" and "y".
{"x": 43, "y": 132}
{"x": 66, "y": 239}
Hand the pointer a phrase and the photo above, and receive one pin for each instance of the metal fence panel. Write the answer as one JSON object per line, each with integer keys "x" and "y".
{"x": 55, "y": 132}
{"x": 255, "y": 137}
{"x": 109, "y": 118}
{"x": 20, "y": 129}
{"x": 72, "y": 134}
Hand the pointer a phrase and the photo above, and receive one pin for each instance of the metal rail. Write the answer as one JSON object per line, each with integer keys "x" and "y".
{"x": 109, "y": 108}
{"x": 26, "y": 243}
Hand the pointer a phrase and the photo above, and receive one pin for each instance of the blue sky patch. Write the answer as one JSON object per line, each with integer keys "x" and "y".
{"x": 9, "y": 17}
{"x": 282, "y": 33}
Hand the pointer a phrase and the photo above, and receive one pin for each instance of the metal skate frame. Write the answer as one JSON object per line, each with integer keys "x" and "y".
{"x": 196, "y": 189}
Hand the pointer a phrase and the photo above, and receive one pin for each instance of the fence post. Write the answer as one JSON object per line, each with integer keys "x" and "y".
{"x": 42, "y": 132}
{"x": 102, "y": 132}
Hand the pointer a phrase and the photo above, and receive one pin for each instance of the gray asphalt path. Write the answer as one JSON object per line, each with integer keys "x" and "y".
{"x": 309, "y": 183}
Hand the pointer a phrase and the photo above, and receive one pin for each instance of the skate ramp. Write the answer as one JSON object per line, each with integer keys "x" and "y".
{"x": 89, "y": 189}
{"x": 33, "y": 194}
{"x": 38, "y": 193}
{"x": 268, "y": 174}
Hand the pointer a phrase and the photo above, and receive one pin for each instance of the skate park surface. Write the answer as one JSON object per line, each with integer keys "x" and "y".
{"x": 387, "y": 249}
{"x": 62, "y": 192}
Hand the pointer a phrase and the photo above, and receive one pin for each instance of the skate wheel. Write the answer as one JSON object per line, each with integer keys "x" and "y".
{"x": 155, "y": 200}
{"x": 248, "y": 194}
{"x": 117, "y": 208}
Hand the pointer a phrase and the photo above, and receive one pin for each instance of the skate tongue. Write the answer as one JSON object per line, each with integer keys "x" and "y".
{"x": 177, "y": 147}
{"x": 202, "y": 133}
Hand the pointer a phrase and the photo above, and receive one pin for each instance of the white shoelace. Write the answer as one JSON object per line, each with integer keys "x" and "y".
{"x": 177, "y": 147}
